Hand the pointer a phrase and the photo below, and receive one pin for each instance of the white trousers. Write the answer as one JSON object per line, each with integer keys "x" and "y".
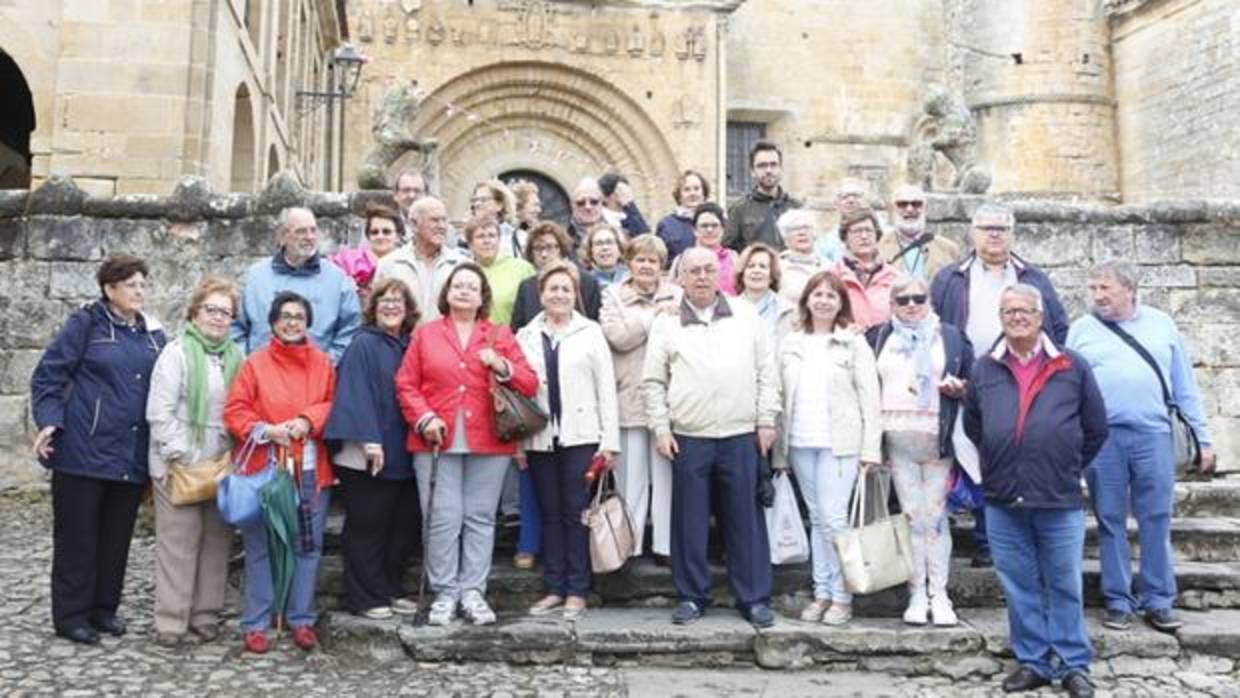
{"x": 644, "y": 479}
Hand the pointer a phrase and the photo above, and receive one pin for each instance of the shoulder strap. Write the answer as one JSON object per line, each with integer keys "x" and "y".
{"x": 920, "y": 242}
{"x": 1136, "y": 346}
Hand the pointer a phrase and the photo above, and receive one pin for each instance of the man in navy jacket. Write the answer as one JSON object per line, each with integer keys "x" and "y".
{"x": 1038, "y": 418}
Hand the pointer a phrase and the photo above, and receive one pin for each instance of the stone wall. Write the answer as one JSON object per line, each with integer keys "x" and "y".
{"x": 51, "y": 241}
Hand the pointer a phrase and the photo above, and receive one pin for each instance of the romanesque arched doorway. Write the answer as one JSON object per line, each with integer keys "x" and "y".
{"x": 16, "y": 123}
{"x": 552, "y": 197}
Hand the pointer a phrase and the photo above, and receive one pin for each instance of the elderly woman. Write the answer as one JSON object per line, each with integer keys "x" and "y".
{"x": 798, "y": 261}
{"x": 864, "y": 273}
{"x": 281, "y": 399}
{"x": 830, "y": 422}
{"x": 603, "y": 252}
{"x": 385, "y": 230}
{"x": 529, "y": 207}
{"x": 88, "y": 397}
{"x": 709, "y": 223}
{"x": 443, "y": 386}
{"x": 549, "y": 243}
{"x": 368, "y": 433}
{"x": 577, "y": 388}
{"x": 758, "y": 277}
{"x": 493, "y": 201}
{"x": 185, "y": 409}
{"x": 922, "y": 368}
{"x": 644, "y": 477}
{"x": 504, "y": 273}
{"x": 676, "y": 228}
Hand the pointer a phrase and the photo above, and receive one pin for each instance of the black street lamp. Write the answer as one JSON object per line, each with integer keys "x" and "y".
{"x": 347, "y": 65}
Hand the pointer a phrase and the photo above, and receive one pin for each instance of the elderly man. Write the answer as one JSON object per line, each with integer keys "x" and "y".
{"x": 1037, "y": 415}
{"x": 408, "y": 187}
{"x": 711, "y": 397}
{"x": 1136, "y": 463}
{"x": 752, "y": 219}
{"x": 619, "y": 208}
{"x": 966, "y": 294}
{"x": 297, "y": 266}
{"x": 912, "y": 250}
{"x": 425, "y": 263}
{"x": 587, "y": 205}
{"x": 851, "y": 196}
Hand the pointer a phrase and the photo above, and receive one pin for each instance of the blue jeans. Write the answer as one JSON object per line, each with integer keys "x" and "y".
{"x": 530, "y": 539}
{"x": 1134, "y": 465}
{"x": 259, "y": 594}
{"x": 1037, "y": 555}
{"x": 826, "y": 485}
{"x": 564, "y": 493}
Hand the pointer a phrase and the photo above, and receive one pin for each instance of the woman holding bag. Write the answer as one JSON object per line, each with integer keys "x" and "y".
{"x": 281, "y": 397}
{"x": 185, "y": 409}
{"x": 830, "y": 425}
{"x": 577, "y": 388}
{"x": 922, "y": 367}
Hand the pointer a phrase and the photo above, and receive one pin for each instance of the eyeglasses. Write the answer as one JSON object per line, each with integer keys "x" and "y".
{"x": 995, "y": 230}
{"x": 1019, "y": 312}
{"x": 913, "y": 299}
{"x": 391, "y": 302}
{"x": 703, "y": 270}
{"x": 588, "y": 202}
{"x": 549, "y": 247}
{"x": 381, "y": 231}
{"x": 858, "y": 231}
{"x": 910, "y": 204}
{"x": 217, "y": 311}
{"x": 709, "y": 226}
{"x": 292, "y": 317}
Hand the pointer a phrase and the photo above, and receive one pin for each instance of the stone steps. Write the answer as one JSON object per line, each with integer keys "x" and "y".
{"x": 1203, "y": 585}
{"x": 1209, "y": 644}
{"x": 1196, "y": 539}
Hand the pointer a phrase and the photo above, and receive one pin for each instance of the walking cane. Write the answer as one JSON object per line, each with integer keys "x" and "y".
{"x": 420, "y": 618}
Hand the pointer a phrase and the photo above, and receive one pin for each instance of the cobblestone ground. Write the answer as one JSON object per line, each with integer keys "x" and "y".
{"x": 34, "y": 662}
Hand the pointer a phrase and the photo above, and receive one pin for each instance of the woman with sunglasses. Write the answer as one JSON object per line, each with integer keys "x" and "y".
{"x": 922, "y": 368}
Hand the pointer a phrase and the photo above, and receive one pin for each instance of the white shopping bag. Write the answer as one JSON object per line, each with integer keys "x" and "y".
{"x": 784, "y": 529}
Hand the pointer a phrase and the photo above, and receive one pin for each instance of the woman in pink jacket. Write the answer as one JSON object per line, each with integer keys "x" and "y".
{"x": 867, "y": 278}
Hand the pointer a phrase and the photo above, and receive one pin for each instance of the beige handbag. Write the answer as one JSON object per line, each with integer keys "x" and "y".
{"x": 193, "y": 484}
{"x": 878, "y": 555}
{"x": 611, "y": 529}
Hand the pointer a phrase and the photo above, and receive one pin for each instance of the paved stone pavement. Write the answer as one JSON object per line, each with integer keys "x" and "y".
{"x": 34, "y": 662}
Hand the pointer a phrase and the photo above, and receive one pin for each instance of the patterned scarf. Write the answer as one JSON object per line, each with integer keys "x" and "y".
{"x": 915, "y": 342}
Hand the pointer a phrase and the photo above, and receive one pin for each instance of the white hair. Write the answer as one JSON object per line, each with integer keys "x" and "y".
{"x": 793, "y": 219}
{"x": 1024, "y": 290}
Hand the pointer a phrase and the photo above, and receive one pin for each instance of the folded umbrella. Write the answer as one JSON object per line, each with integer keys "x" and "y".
{"x": 278, "y": 499}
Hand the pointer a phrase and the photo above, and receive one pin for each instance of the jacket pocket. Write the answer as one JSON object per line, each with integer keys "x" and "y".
{"x": 94, "y": 422}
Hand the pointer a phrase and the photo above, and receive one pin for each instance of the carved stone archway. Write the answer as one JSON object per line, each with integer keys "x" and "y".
{"x": 562, "y": 121}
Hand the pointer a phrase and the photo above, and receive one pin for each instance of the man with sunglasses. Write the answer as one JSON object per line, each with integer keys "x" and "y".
{"x": 587, "y": 212}
{"x": 912, "y": 250}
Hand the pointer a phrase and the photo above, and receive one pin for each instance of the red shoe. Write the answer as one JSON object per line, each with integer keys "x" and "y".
{"x": 256, "y": 642}
{"x": 305, "y": 637}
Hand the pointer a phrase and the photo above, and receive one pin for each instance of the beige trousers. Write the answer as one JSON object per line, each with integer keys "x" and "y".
{"x": 191, "y": 564}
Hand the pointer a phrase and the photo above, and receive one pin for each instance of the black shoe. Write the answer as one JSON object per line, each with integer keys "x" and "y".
{"x": 1024, "y": 679}
{"x": 112, "y": 625}
{"x": 1163, "y": 620}
{"x": 686, "y": 612}
{"x": 1078, "y": 685}
{"x": 760, "y": 615}
{"x": 79, "y": 634}
{"x": 981, "y": 560}
{"x": 662, "y": 560}
{"x": 1116, "y": 619}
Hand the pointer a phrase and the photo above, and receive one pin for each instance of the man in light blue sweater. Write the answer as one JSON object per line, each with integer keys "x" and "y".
{"x": 297, "y": 266}
{"x": 1136, "y": 462}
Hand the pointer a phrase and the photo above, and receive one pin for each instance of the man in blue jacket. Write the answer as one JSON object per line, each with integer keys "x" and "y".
{"x": 297, "y": 266}
{"x": 1038, "y": 419}
{"x": 966, "y": 295}
{"x": 1136, "y": 462}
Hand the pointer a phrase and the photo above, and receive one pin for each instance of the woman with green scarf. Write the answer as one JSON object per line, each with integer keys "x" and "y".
{"x": 185, "y": 410}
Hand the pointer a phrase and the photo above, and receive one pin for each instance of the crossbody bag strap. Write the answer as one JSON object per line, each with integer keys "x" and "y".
{"x": 917, "y": 244}
{"x": 1136, "y": 346}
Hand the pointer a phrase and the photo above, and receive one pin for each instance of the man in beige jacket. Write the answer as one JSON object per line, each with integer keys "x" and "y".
{"x": 912, "y": 250}
{"x": 712, "y": 396}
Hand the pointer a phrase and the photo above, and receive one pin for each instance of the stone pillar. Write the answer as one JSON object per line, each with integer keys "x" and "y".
{"x": 1037, "y": 77}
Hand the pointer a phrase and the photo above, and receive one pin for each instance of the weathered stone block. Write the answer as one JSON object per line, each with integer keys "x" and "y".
{"x": 73, "y": 281}
{"x": 12, "y": 202}
{"x": 252, "y": 236}
{"x": 230, "y": 205}
{"x": 12, "y": 238}
{"x": 282, "y": 190}
{"x": 1053, "y": 245}
{"x": 1211, "y": 243}
{"x": 517, "y": 641}
{"x": 58, "y": 195}
{"x": 1215, "y": 633}
{"x": 16, "y": 367}
{"x": 1156, "y": 244}
{"x": 1212, "y": 343}
{"x": 649, "y": 631}
{"x": 1206, "y": 305}
{"x": 29, "y": 323}
{"x": 328, "y": 204}
{"x": 127, "y": 206}
{"x": 190, "y": 199}
{"x": 1172, "y": 276}
{"x": 63, "y": 238}
{"x": 13, "y": 422}
{"x": 137, "y": 237}
{"x": 1113, "y": 242}
{"x": 1218, "y": 276}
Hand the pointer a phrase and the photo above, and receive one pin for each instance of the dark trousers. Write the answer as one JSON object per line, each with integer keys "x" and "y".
{"x": 725, "y": 471}
{"x": 382, "y": 526}
{"x": 559, "y": 478}
{"x": 981, "y": 543}
{"x": 92, "y": 524}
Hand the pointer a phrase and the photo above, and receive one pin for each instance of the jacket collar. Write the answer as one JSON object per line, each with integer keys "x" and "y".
{"x": 576, "y": 323}
{"x": 1045, "y": 344}
{"x": 967, "y": 263}
{"x": 759, "y": 195}
{"x": 400, "y": 340}
{"x": 629, "y": 295}
{"x": 280, "y": 265}
{"x": 688, "y": 316}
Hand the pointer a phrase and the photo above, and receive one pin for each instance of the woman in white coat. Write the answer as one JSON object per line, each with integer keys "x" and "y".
{"x": 577, "y": 388}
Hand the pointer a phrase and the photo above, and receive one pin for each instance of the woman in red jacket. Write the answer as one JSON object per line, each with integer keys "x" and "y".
{"x": 281, "y": 398}
{"x": 443, "y": 386}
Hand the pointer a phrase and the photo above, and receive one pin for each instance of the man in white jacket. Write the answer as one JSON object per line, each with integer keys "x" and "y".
{"x": 711, "y": 395}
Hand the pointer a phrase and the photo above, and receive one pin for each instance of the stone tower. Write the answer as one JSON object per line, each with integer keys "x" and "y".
{"x": 1037, "y": 77}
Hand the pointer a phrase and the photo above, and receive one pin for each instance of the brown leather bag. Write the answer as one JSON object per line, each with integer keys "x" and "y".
{"x": 193, "y": 484}
{"x": 516, "y": 416}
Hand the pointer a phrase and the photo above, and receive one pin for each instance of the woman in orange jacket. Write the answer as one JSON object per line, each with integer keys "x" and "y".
{"x": 280, "y": 400}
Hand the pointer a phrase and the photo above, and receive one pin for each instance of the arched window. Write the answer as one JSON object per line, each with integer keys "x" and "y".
{"x": 242, "y": 170}
{"x": 16, "y": 123}
{"x": 273, "y": 162}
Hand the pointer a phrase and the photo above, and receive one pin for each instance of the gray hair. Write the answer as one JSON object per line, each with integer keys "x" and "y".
{"x": 793, "y": 219}
{"x": 417, "y": 207}
{"x": 992, "y": 209}
{"x": 282, "y": 218}
{"x": 1025, "y": 290}
{"x": 904, "y": 282}
{"x": 1122, "y": 272}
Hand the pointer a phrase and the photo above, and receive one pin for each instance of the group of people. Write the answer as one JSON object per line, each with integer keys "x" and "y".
{"x": 681, "y": 359}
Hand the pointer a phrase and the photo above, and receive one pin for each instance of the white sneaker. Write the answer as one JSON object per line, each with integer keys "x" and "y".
{"x": 378, "y": 613}
{"x": 918, "y": 608}
{"x": 405, "y": 606}
{"x": 442, "y": 611}
{"x": 838, "y": 614}
{"x": 475, "y": 608}
{"x": 942, "y": 612}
